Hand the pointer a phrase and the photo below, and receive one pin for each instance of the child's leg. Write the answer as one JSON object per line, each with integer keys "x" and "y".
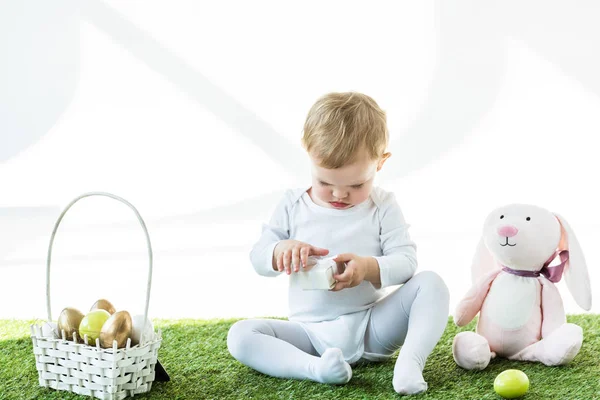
{"x": 282, "y": 349}
{"x": 414, "y": 317}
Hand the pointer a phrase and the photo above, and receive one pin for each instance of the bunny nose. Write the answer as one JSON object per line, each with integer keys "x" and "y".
{"x": 507, "y": 231}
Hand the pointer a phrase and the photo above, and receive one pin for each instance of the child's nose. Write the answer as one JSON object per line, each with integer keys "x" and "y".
{"x": 339, "y": 194}
{"x": 507, "y": 231}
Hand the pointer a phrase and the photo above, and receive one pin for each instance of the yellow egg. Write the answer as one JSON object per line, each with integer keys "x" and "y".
{"x": 69, "y": 320}
{"x": 117, "y": 327}
{"x": 511, "y": 384}
{"x": 91, "y": 325}
{"x": 104, "y": 304}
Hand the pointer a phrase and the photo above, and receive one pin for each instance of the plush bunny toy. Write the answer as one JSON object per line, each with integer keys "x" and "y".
{"x": 521, "y": 314}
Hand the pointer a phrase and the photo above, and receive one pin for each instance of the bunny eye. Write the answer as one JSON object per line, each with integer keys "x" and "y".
{"x": 502, "y": 216}
{"x": 528, "y": 219}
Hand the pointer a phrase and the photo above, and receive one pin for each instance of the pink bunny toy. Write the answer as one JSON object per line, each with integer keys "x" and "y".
{"x": 521, "y": 314}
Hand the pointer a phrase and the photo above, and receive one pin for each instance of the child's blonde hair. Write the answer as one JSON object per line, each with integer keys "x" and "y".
{"x": 340, "y": 124}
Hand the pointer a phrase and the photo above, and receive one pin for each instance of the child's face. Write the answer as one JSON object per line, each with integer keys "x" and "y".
{"x": 347, "y": 186}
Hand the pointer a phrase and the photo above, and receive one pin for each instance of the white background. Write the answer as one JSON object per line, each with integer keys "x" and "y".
{"x": 193, "y": 112}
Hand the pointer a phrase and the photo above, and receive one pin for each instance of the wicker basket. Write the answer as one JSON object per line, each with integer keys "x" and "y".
{"x": 89, "y": 369}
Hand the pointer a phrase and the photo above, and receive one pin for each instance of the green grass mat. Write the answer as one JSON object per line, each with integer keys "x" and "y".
{"x": 194, "y": 353}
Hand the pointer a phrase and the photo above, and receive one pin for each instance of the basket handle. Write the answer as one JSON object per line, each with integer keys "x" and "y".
{"x": 139, "y": 217}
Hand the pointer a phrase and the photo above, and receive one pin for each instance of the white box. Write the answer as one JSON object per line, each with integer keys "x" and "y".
{"x": 319, "y": 277}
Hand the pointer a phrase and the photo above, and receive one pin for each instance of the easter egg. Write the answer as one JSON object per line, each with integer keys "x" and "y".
{"x": 68, "y": 321}
{"x": 103, "y": 304}
{"x": 139, "y": 329}
{"x": 50, "y": 330}
{"x": 511, "y": 384}
{"x": 117, "y": 327}
{"x": 91, "y": 325}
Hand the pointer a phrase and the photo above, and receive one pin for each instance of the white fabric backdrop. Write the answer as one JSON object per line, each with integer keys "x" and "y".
{"x": 193, "y": 112}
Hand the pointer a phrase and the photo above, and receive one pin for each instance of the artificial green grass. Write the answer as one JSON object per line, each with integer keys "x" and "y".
{"x": 194, "y": 353}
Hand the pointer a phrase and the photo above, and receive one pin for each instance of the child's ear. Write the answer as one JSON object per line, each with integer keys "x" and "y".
{"x": 384, "y": 157}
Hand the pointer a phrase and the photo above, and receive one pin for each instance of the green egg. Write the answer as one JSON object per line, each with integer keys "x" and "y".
{"x": 511, "y": 384}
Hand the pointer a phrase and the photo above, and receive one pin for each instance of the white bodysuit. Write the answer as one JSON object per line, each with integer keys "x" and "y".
{"x": 376, "y": 227}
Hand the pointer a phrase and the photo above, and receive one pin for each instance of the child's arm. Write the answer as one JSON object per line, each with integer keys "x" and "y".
{"x": 275, "y": 231}
{"x": 399, "y": 260}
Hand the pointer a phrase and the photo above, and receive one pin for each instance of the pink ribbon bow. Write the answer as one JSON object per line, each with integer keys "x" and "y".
{"x": 554, "y": 273}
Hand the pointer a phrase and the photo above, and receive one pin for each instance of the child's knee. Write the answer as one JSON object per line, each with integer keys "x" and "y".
{"x": 431, "y": 282}
{"x": 237, "y": 335}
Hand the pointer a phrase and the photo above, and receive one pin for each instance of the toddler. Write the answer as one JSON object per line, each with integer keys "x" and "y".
{"x": 343, "y": 213}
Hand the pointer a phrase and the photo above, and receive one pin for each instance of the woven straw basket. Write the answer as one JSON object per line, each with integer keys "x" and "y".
{"x": 88, "y": 369}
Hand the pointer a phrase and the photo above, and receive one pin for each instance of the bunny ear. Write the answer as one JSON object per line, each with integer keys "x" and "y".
{"x": 576, "y": 273}
{"x": 483, "y": 262}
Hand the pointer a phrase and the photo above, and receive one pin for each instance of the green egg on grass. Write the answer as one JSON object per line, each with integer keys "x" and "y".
{"x": 511, "y": 384}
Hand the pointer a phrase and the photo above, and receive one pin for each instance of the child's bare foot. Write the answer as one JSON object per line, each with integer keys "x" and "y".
{"x": 332, "y": 368}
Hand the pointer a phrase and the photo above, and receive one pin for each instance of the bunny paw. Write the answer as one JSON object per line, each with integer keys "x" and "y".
{"x": 561, "y": 346}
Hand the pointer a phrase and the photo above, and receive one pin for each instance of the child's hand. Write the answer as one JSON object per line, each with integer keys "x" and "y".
{"x": 291, "y": 254}
{"x": 355, "y": 272}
